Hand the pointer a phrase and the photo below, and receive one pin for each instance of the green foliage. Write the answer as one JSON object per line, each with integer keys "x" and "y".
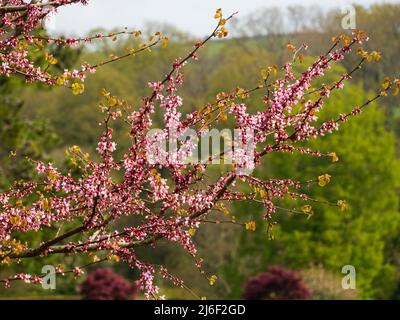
{"x": 19, "y": 137}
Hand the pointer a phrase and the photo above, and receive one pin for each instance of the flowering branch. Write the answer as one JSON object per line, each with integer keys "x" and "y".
{"x": 170, "y": 196}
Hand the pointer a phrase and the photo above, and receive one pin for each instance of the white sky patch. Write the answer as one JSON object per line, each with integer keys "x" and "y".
{"x": 192, "y": 16}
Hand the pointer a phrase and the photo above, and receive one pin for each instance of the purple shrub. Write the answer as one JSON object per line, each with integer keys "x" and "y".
{"x": 276, "y": 284}
{"x": 105, "y": 284}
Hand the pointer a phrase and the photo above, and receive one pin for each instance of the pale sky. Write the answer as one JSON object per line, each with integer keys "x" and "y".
{"x": 193, "y": 16}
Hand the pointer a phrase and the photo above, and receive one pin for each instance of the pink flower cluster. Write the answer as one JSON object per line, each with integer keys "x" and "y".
{"x": 20, "y": 23}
